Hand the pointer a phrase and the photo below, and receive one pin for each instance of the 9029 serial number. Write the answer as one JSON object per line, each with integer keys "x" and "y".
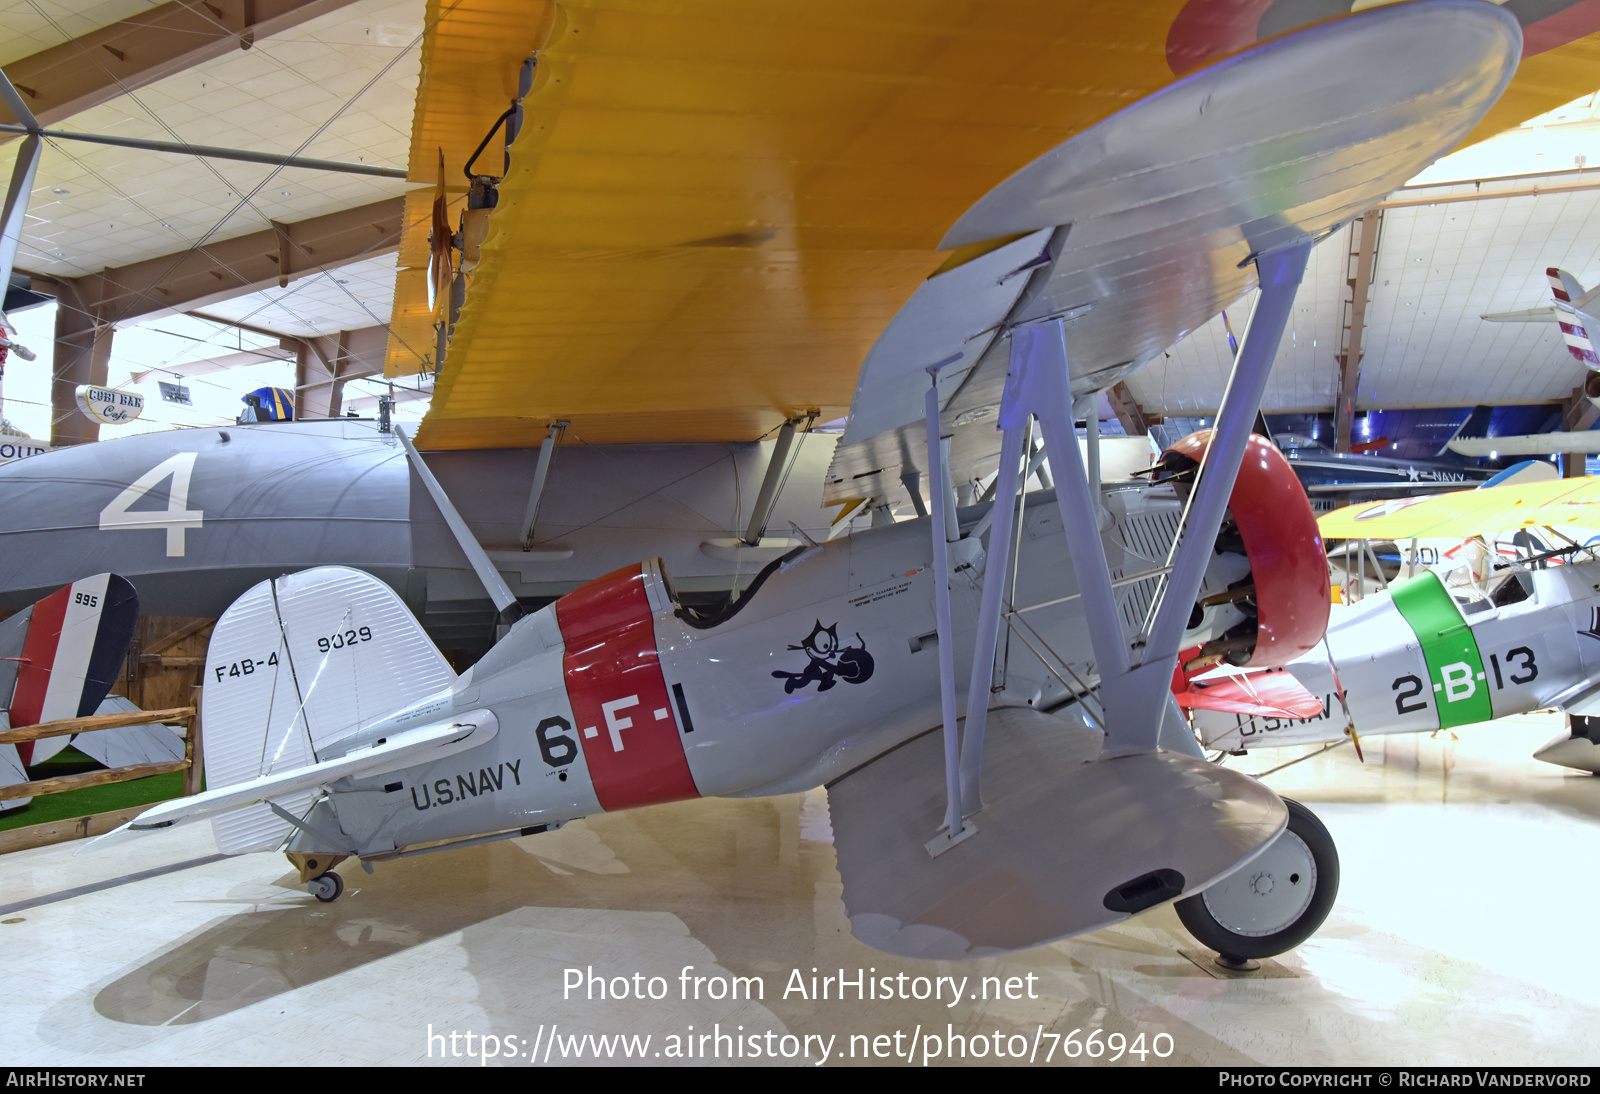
{"x": 344, "y": 638}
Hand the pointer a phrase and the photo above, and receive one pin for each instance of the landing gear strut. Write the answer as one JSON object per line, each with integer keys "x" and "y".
{"x": 1276, "y": 901}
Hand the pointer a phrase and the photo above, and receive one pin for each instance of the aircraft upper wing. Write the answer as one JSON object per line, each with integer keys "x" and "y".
{"x": 714, "y": 210}
{"x": 1470, "y": 512}
{"x": 1157, "y": 212}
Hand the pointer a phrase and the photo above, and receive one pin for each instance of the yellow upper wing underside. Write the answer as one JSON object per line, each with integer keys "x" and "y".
{"x": 715, "y": 207}
{"x": 1563, "y": 502}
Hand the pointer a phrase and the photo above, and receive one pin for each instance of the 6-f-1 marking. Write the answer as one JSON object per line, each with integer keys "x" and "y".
{"x": 616, "y": 724}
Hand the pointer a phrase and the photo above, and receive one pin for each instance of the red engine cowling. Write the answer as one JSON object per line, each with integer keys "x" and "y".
{"x": 1288, "y": 585}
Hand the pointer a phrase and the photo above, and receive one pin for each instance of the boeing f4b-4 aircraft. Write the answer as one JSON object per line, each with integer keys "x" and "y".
{"x": 335, "y": 730}
{"x": 1419, "y": 659}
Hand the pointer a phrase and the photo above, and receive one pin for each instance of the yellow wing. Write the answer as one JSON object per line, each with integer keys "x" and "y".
{"x": 716, "y": 206}
{"x": 1570, "y": 502}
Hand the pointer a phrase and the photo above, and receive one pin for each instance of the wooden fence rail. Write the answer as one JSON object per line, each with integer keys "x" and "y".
{"x": 78, "y": 827}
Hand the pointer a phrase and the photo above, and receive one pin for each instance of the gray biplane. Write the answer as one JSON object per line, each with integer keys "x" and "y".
{"x": 1425, "y": 655}
{"x": 336, "y": 730}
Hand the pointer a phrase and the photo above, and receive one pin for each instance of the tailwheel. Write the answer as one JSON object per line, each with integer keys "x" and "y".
{"x": 326, "y": 887}
{"x": 1276, "y": 901}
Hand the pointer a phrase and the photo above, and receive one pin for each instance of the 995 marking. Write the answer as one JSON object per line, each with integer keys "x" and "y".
{"x": 245, "y": 667}
{"x": 342, "y": 639}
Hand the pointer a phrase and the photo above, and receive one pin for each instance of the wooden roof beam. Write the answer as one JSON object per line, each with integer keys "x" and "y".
{"x": 64, "y": 80}
{"x": 1135, "y": 423}
{"x": 221, "y": 270}
{"x": 329, "y": 362}
{"x": 1365, "y": 260}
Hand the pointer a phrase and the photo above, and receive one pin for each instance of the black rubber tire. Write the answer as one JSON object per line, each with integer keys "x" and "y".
{"x": 1198, "y": 918}
{"x": 335, "y": 893}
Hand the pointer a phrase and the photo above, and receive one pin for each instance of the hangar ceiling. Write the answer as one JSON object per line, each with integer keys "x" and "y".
{"x": 337, "y": 79}
{"x": 337, "y": 87}
{"x": 1439, "y": 266}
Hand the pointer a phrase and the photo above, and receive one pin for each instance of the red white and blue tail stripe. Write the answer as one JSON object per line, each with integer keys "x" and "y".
{"x": 76, "y": 641}
{"x": 1566, "y": 290}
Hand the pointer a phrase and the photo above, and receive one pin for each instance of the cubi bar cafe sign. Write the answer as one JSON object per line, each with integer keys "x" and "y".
{"x": 109, "y": 405}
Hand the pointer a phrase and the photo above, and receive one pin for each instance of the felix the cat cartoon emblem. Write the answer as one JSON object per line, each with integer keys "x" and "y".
{"x": 826, "y": 662}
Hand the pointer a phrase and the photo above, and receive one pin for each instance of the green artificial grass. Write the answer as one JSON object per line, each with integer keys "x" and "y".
{"x": 91, "y": 799}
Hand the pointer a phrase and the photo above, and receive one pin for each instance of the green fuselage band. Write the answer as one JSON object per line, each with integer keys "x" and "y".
{"x": 1460, "y": 691}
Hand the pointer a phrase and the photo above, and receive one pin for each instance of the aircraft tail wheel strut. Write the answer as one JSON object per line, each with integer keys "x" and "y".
{"x": 1276, "y": 901}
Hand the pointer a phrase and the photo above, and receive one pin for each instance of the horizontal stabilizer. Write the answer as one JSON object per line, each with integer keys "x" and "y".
{"x": 408, "y": 748}
{"x": 1546, "y": 314}
{"x": 11, "y": 773}
{"x": 127, "y": 745}
{"x": 1065, "y": 843}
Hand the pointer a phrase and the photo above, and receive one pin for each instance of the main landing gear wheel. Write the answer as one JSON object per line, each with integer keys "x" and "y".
{"x": 1277, "y": 901}
{"x": 327, "y": 887}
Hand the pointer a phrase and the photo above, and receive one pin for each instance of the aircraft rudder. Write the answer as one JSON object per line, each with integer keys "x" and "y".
{"x": 1474, "y": 425}
{"x": 296, "y": 665}
{"x": 1570, "y": 299}
{"x": 71, "y": 647}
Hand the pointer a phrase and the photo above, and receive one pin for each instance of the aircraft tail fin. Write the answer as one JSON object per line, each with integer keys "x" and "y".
{"x": 1474, "y": 425}
{"x": 1570, "y": 300}
{"x": 296, "y": 665}
{"x": 1564, "y": 287}
{"x": 59, "y": 658}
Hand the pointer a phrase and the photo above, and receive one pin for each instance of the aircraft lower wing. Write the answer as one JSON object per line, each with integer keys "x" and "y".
{"x": 406, "y": 749}
{"x": 1272, "y": 693}
{"x": 1071, "y": 841}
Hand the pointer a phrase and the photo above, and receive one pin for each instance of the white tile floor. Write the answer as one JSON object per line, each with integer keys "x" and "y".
{"x": 1460, "y": 937}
